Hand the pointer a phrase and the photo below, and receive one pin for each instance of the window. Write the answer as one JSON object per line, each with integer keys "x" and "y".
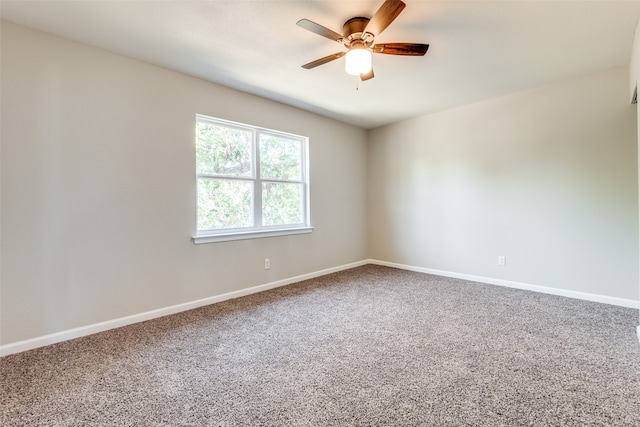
{"x": 252, "y": 182}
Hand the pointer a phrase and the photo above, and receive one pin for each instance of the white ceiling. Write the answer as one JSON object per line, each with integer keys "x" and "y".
{"x": 478, "y": 49}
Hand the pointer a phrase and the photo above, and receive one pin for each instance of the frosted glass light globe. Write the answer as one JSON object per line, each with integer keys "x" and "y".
{"x": 358, "y": 61}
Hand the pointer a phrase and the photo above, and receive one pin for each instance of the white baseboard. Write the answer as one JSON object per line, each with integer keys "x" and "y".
{"x": 42, "y": 341}
{"x": 82, "y": 331}
{"x": 517, "y": 285}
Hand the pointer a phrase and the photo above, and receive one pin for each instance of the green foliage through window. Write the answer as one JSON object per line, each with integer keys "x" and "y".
{"x": 223, "y": 151}
{"x": 249, "y": 178}
{"x": 224, "y": 203}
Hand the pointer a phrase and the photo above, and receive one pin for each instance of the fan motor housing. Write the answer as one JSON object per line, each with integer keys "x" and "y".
{"x": 354, "y": 27}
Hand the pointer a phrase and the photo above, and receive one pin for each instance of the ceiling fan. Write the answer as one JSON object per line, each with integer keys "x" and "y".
{"x": 358, "y": 37}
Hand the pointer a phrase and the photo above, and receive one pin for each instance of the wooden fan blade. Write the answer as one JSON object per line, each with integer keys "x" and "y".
{"x": 319, "y": 29}
{"x": 324, "y": 60}
{"x": 367, "y": 76}
{"x": 389, "y": 11}
{"x": 407, "y": 49}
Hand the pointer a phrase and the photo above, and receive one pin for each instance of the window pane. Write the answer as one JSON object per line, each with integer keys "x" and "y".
{"x": 223, "y": 150}
{"x": 224, "y": 203}
{"x": 280, "y": 158}
{"x": 281, "y": 203}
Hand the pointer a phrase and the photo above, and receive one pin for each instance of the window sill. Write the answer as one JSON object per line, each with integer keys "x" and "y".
{"x": 215, "y": 238}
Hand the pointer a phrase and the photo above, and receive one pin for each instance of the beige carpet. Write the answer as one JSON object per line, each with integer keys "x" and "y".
{"x": 372, "y": 346}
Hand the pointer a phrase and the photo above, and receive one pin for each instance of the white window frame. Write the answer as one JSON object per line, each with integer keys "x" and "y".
{"x": 258, "y": 230}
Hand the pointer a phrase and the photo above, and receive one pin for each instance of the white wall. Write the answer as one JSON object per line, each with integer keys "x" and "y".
{"x": 98, "y": 189}
{"x": 547, "y": 177}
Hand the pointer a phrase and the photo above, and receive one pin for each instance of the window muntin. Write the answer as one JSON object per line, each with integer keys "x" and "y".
{"x": 249, "y": 179}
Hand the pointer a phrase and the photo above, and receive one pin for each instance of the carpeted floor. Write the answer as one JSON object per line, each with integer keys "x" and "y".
{"x": 371, "y": 346}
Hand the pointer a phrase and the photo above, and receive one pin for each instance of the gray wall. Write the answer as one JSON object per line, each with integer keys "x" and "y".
{"x": 546, "y": 177}
{"x": 98, "y": 189}
{"x": 634, "y": 77}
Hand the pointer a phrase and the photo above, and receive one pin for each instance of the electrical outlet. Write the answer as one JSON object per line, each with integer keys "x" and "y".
{"x": 502, "y": 260}
{"x": 267, "y": 263}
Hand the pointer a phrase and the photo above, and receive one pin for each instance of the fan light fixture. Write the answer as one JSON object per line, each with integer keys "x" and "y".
{"x": 358, "y": 61}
